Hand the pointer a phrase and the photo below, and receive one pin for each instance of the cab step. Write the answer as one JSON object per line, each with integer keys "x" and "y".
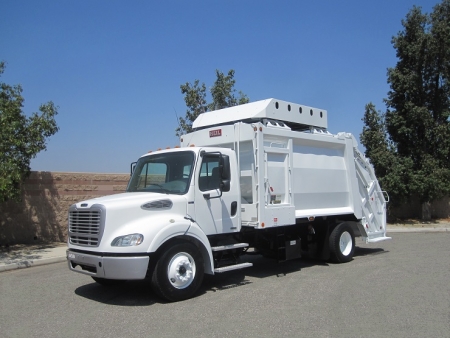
{"x": 233, "y": 267}
{"x": 229, "y": 247}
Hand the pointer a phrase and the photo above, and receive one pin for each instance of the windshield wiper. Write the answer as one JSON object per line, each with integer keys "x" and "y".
{"x": 162, "y": 188}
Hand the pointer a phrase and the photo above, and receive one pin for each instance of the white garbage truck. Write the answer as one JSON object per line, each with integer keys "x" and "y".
{"x": 261, "y": 178}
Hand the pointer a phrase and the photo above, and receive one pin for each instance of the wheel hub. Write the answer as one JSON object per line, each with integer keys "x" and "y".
{"x": 181, "y": 270}
{"x": 345, "y": 243}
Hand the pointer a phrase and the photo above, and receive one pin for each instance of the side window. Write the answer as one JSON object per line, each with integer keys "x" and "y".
{"x": 209, "y": 173}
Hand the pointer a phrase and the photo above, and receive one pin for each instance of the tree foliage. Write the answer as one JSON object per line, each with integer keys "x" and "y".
{"x": 415, "y": 130}
{"x": 21, "y": 137}
{"x": 223, "y": 95}
{"x": 392, "y": 170}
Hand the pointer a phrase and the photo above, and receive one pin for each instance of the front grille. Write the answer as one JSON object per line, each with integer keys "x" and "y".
{"x": 84, "y": 241}
{"x": 85, "y": 222}
{"x": 85, "y": 226}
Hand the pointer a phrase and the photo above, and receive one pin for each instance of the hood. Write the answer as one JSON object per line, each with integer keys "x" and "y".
{"x": 124, "y": 200}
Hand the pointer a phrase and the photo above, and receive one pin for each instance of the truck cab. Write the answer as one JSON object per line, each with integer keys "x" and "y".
{"x": 179, "y": 195}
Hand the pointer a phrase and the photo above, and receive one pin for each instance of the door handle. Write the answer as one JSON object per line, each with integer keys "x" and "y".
{"x": 233, "y": 208}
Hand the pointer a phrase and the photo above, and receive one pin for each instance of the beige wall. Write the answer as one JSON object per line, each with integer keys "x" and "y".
{"x": 42, "y": 214}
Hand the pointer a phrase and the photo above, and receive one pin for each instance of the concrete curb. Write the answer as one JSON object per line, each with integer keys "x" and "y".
{"x": 30, "y": 263}
{"x": 416, "y": 230}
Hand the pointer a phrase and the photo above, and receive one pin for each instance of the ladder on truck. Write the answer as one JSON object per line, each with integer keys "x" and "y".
{"x": 373, "y": 201}
{"x": 230, "y": 248}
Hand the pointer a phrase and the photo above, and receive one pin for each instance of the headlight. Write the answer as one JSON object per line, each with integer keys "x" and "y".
{"x": 128, "y": 240}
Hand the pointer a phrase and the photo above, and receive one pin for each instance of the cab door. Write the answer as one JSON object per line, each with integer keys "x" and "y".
{"x": 216, "y": 194}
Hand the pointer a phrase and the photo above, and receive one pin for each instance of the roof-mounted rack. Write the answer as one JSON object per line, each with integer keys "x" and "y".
{"x": 295, "y": 116}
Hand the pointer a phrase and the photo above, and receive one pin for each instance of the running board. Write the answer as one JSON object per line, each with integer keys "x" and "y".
{"x": 378, "y": 239}
{"x": 229, "y": 247}
{"x": 233, "y": 267}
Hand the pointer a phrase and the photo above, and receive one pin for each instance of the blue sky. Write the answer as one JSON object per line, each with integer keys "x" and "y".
{"x": 115, "y": 68}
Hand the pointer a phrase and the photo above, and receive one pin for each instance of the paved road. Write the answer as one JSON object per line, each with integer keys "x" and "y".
{"x": 399, "y": 288}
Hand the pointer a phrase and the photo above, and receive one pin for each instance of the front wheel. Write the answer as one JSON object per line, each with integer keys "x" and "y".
{"x": 342, "y": 243}
{"x": 179, "y": 272}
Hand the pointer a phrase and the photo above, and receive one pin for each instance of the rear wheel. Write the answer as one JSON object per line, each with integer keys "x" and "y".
{"x": 342, "y": 243}
{"x": 179, "y": 272}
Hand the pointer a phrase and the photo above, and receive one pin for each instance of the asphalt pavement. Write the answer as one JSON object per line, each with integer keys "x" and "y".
{"x": 26, "y": 256}
{"x": 397, "y": 288}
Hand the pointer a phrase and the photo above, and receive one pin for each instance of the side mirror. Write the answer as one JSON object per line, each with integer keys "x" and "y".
{"x": 225, "y": 185}
{"x": 132, "y": 167}
{"x": 225, "y": 173}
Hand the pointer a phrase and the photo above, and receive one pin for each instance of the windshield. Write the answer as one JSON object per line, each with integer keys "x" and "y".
{"x": 166, "y": 173}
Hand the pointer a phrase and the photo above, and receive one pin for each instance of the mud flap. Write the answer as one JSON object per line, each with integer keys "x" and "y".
{"x": 321, "y": 249}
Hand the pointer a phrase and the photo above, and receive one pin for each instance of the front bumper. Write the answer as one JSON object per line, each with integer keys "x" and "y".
{"x": 109, "y": 267}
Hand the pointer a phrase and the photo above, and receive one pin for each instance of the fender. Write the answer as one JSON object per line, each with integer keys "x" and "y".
{"x": 183, "y": 229}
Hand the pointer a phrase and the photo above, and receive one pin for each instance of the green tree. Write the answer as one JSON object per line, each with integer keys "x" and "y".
{"x": 21, "y": 137}
{"x": 222, "y": 93}
{"x": 195, "y": 98}
{"x": 418, "y": 107}
{"x": 374, "y": 138}
{"x": 392, "y": 170}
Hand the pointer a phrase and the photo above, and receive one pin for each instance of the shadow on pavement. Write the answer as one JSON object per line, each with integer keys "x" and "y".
{"x": 130, "y": 293}
{"x": 262, "y": 268}
{"x": 368, "y": 251}
{"x": 139, "y": 293}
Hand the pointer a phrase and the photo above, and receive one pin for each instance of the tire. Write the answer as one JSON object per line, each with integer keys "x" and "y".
{"x": 342, "y": 243}
{"x": 108, "y": 282}
{"x": 178, "y": 273}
